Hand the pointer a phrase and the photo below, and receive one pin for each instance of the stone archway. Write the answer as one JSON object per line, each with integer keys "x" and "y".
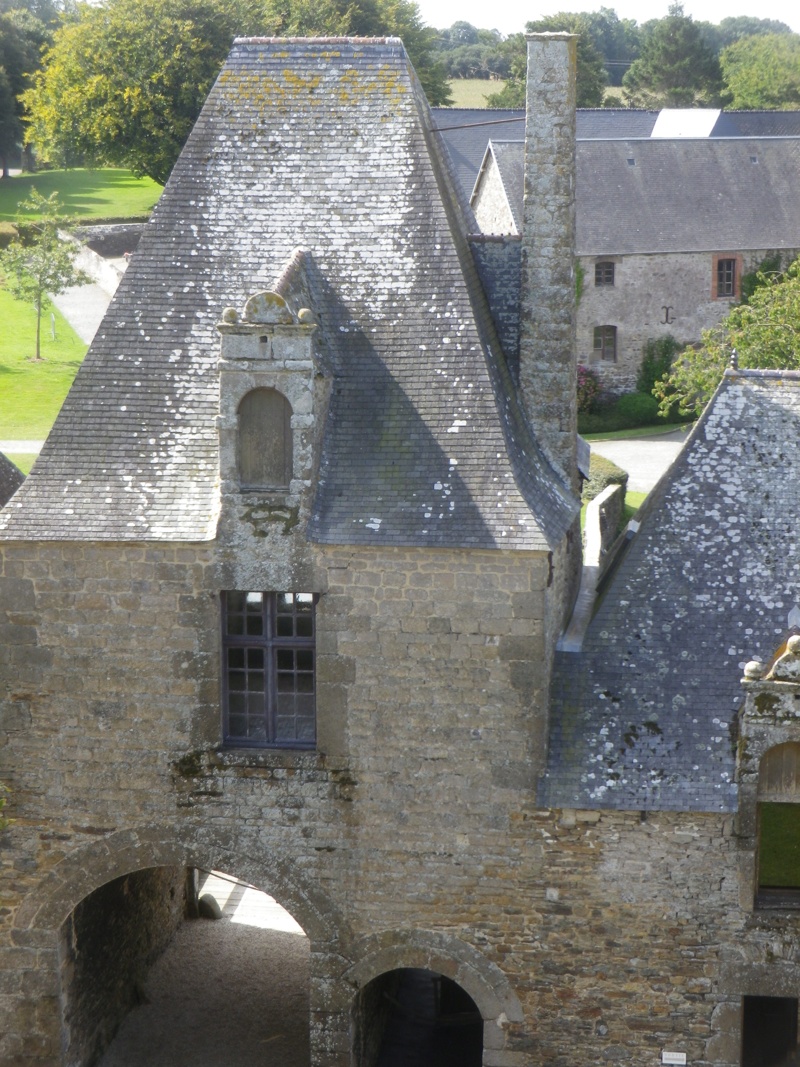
{"x": 133, "y": 862}
{"x": 439, "y": 953}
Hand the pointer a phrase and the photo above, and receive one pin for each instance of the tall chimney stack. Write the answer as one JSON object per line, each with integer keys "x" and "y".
{"x": 548, "y": 360}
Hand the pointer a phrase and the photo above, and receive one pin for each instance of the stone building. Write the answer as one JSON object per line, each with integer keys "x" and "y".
{"x": 670, "y": 215}
{"x": 283, "y": 594}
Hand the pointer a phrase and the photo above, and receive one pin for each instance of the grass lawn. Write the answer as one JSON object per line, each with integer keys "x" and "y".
{"x": 31, "y": 394}
{"x": 111, "y": 193}
{"x": 23, "y": 460}
{"x": 642, "y": 431}
{"x": 472, "y": 92}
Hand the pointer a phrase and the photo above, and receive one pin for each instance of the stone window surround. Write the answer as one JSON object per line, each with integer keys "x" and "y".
{"x": 767, "y": 721}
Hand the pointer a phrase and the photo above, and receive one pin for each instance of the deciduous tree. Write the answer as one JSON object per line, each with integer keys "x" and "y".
{"x": 590, "y": 74}
{"x": 124, "y": 82}
{"x": 764, "y": 332}
{"x": 763, "y": 72}
{"x": 38, "y": 264}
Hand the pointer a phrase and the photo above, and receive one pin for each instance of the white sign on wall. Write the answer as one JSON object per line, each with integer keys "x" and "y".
{"x": 673, "y": 1057}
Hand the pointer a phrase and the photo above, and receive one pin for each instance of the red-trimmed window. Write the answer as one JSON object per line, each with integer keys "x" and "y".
{"x": 268, "y": 644}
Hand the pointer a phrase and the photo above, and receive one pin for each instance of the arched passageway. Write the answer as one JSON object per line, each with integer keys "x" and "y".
{"x": 148, "y": 977}
{"x": 416, "y": 1016}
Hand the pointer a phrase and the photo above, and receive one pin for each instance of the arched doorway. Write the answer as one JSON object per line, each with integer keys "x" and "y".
{"x": 173, "y": 965}
{"x": 412, "y": 1015}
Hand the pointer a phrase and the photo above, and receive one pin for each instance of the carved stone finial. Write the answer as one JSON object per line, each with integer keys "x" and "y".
{"x": 734, "y": 361}
{"x": 269, "y": 309}
{"x": 306, "y": 316}
{"x": 230, "y": 315}
{"x": 754, "y": 670}
{"x": 793, "y": 645}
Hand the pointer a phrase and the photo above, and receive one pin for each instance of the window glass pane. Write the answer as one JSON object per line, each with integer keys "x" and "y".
{"x": 235, "y": 601}
{"x": 255, "y": 703}
{"x": 305, "y": 683}
{"x": 285, "y": 682}
{"x": 255, "y": 659}
{"x": 305, "y": 659}
{"x": 237, "y": 681}
{"x": 236, "y": 657}
{"x": 237, "y": 726}
{"x": 285, "y": 659}
{"x": 237, "y": 704}
{"x": 285, "y": 626}
{"x": 235, "y": 625}
{"x": 256, "y": 730}
{"x": 305, "y": 626}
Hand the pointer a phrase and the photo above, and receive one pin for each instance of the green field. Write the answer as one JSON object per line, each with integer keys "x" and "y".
{"x": 110, "y": 193}
{"x": 31, "y": 394}
{"x": 472, "y": 92}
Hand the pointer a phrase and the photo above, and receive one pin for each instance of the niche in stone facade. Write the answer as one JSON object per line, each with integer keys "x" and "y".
{"x": 264, "y": 440}
{"x": 271, "y": 399}
{"x": 768, "y": 772}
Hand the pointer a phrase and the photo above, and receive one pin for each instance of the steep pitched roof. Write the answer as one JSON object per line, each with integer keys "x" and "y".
{"x": 644, "y": 716}
{"x": 11, "y": 478}
{"x": 321, "y": 145}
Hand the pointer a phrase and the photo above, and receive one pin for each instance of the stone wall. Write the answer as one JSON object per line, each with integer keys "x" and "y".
{"x": 644, "y": 285}
{"x": 431, "y": 679}
{"x": 108, "y": 943}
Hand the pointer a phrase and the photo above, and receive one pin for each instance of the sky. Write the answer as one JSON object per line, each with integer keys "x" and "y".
{"x": 510, "y": 16}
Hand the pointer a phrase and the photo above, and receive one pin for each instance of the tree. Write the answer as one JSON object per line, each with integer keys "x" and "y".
{"x": 617, "y": 40}
{"x": 763, "y": 72}
{"x": 123, "y": 83}
{"x": 676, "y": 67}
{"x": 22, "y": 36}
{"x": 765, "y": 333}
{"x": 38, "y": 264}
{"x": 590, "y": 73}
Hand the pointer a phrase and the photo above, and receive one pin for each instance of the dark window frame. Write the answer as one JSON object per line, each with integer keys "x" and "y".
{"x": 607, "y": 338}
{"x": 726, "y": 277}
{"x": 604, "y": 274}
{"x": 268, "y": 659}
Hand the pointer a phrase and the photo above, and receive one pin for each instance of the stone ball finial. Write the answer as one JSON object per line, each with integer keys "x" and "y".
{"x": 734, "y": 360}
{"x": 793, "y": 645}
{"x": 306, "y": 316}
{"x": 230, "y": 315}
{"x": 754, "y": 670}
{"x": 269, "y": 309}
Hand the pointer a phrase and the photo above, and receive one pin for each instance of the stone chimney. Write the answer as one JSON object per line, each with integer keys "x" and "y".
{"x": 548, "y": 360}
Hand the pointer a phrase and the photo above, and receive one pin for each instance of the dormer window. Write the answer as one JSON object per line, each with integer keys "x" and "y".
{"x": 264, "y": 440}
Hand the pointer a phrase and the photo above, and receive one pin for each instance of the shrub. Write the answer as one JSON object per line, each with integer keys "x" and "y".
{"x": 588, "y": 389}
{"x": 602, "y": 473}
{"x": 657, "y": 359}
{"x": 637, "y": 409}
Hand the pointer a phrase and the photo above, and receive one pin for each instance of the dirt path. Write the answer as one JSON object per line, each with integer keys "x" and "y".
{"x": 224, "y": 994}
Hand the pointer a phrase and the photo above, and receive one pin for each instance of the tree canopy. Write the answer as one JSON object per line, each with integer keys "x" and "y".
{"x": 763, "y": 72}
{"x": 123, "y": 83}
{"x": 22, "y": 35}
{"x": 765, "y": 333}
{"x": 676, "y": 67}
{"x": 590, "y": 74}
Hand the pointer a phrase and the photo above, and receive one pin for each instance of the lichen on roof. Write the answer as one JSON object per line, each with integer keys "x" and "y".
{"x": 644, "y": 717}
{"x": 322, "y": 145}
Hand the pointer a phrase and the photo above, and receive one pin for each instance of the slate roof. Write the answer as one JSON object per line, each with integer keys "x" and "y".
{"x": 467, "y": 131}
{"x": 321, "y": 145}
{"x": 644, "y": 716}
{"x": 679, "y": 195}
{"x": 11, "y": 478}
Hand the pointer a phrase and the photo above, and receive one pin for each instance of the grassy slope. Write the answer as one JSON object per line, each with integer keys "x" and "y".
{"x": 31, "y": 394}
{"x": 472, "y": 92}
{"x": 86, "y": 194}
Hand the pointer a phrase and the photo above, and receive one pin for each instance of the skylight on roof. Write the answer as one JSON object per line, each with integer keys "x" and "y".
{"x": 685, "y": 122}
